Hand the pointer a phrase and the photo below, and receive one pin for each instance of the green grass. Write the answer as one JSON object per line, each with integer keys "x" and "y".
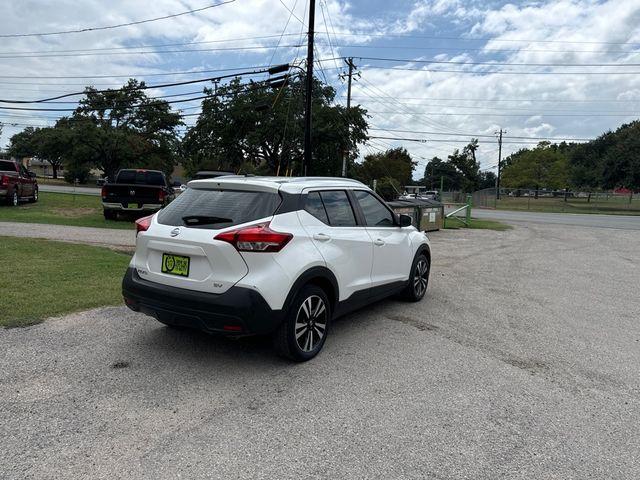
{"x": 613, "y": 206}
{"x": 62, "y": 209}
{"x": 42, "y": 278}
{"x": 479, "y": 225}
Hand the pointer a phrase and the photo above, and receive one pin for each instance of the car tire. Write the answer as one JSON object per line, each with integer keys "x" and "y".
{"x": 418, "y": 279}
{"x": 304, "y": 330}
{"x": 34, "y": 197}
{"x": 110, "y": 215}
{"x": 12, "y": 200}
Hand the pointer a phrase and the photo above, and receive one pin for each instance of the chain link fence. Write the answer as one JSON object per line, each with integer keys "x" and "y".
{"x": 558, "y": 201}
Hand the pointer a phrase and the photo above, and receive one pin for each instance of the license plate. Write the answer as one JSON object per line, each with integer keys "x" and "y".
{"x": 175, "y": 265}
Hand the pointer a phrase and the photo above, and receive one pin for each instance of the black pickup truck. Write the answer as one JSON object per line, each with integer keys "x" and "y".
{"x": 136, "y": 191}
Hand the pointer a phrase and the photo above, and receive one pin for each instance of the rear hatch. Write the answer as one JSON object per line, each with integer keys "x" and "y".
{"x": 179, "y": 248}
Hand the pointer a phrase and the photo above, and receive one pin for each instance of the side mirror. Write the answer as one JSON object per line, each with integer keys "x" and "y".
{"x": 31, "y": 174}
{"x": 405, "y": 221}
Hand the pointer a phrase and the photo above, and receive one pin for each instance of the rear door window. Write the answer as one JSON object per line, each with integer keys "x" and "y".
{"x": 315, "y": 207}
{"x": 217, "y": 209}
{"x": 338, "y": 207}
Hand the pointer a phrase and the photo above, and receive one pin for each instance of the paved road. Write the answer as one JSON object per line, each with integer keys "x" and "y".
{"x": 623, "y": 222}
{"x": 521, "y": 363}
{"x": 70, "y": 189}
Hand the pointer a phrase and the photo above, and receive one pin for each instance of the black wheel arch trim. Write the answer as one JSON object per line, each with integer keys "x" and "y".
{"x": 307, "y": 277}
{"x": 424, "y": 248}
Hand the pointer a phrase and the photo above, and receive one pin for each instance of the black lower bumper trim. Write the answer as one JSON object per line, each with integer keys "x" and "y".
{"x": 238, "y": 311}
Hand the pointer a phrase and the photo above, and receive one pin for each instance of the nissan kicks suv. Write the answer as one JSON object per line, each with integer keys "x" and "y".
{"x": 273, "y": 255}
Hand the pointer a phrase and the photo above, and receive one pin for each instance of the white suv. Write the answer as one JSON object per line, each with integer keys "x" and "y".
{"x": 273, "y": 255}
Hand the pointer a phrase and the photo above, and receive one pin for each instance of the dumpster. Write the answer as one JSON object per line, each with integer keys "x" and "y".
{"x": 427, "y": 215}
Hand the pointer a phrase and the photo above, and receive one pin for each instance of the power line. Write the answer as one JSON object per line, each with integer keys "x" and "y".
{"x": 510, "y": 64}
{"x": 496, "y": 72}
{"x": 153, "y": 52}
{"x": 93, "y": 29}
{"x": 163, "y": 45}
{"x": 143, "y": 87}
{"x": 536, "y": 100}
{"x": 283, "y": 32}
{"x": 483, "y": 39}
{"x": 480, "y": 135}
{"x": 131, "y": 75}
{"x": 83, "y": 51}
{"x": 525, "y": 114}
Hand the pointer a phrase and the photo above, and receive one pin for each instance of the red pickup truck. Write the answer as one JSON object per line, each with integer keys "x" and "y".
{"x": 17, "y": 183}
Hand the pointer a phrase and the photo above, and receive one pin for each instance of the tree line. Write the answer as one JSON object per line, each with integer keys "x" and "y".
{"x": 610, "y": 161}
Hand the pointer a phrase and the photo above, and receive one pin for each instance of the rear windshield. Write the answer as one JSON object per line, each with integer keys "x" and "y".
{"x": 216, "y": 209}
{"x": 6, "y": 166}
{"x": 140, "y": 177}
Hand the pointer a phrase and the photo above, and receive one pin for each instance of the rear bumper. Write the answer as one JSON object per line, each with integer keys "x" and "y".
{"x": 238, "y": 311}
{"x": 146, "y": 207}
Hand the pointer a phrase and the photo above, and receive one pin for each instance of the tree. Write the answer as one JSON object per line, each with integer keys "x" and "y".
{"x": 250, "y": 126}
{"x": 541, "y": 167}
{"x": 437, "y": 171}
{"x": 22, "y": 144}
{"x": 395, "y": 163}
{"x": 467, "y": 165}
{"x": 487, "y": 180}
{"x": 122, "y": 127}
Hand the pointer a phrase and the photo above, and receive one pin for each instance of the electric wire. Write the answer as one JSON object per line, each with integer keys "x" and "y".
{"x": 109, "y": 27}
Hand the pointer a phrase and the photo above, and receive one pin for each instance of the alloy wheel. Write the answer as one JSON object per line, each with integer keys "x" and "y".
{"x": 421, "y": 277}
{"x": 311, "y": 323}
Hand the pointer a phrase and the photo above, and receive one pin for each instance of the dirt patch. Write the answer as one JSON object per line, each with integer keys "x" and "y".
{"x": 74, "y": 212}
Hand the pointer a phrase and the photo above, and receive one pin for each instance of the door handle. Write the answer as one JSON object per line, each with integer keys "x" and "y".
{"x": 379, "y": 242}
{"x": 321, "y": 237}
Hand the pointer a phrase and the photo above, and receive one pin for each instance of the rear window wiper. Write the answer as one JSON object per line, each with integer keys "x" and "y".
{"x": 204, "y": 220}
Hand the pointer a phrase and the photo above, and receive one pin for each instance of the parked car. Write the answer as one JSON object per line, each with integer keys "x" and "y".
{"x": 136, "y": 191}
{"x": 273, "y": 255}
{"x": 17, "y": 183}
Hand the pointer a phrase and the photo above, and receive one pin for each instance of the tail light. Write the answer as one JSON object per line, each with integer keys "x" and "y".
{"x": 256, "y": 238}
{"x": 4, "y": 180}
{"x": 103, "y": 193}
{"x": 161, "y": 196}
{"x": 143, "y": 224}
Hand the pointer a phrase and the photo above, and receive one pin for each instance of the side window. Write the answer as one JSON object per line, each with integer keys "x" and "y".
{"x": 338, "y": 208}
{"x": 23, "y": 171}
{"x": 314, "y": 206}
{"x": 375, "y": 213}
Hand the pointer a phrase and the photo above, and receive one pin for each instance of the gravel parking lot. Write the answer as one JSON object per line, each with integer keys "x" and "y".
{"x": 521, "y": 362}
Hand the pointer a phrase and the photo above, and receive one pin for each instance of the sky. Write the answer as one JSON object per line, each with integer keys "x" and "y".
{"x": 431, "y": 74}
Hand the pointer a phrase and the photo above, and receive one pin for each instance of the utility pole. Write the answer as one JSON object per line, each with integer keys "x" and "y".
{"x": 306, "y": 160}
{"x": 345, "y": 154}
{"x": 499, "y": 162}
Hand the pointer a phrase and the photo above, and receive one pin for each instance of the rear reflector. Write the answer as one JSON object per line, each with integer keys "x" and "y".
{"x": 256, "y": 238}
{"x": 232, "y": 328}
{"x": 142, "y": 224}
